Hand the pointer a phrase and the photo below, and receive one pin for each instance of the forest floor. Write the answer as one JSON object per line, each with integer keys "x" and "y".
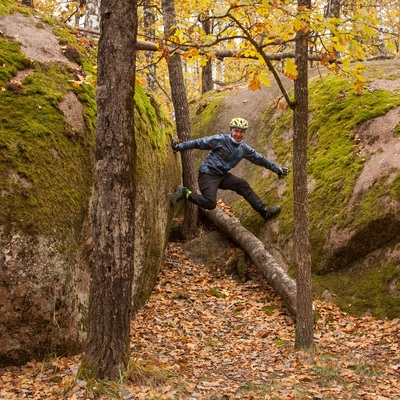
{"x": 203, "y": 335}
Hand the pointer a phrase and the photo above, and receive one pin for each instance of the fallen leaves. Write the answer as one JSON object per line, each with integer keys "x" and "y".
{"x": 206, "y": 337}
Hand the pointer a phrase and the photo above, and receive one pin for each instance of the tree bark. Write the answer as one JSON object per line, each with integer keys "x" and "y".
{"x": 149, "y": 24}
{"x": 206, "y": 77}
{"x": 305, "y": 324}
{"x": 107, "y": 349}
{"x": 206, "y": 71}
{"x": 182, "y": 117}
{"x": 281, "y": 282}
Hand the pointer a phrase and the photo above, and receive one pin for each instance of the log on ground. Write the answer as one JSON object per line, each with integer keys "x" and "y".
{"x": 276, "y": 276}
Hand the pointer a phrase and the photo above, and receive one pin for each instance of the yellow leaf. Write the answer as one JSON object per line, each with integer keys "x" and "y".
{"x": 203, "y": 61}
{"x": 290, "y": 69}
{"x": 265, "y": 80}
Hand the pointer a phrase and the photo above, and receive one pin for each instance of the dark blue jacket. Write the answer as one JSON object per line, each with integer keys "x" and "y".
{"x": 225, "y": 154}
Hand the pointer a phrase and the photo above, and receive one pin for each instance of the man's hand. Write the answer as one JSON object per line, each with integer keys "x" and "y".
{"x": 283, "y": 172}
{"x": 174, "y": 146}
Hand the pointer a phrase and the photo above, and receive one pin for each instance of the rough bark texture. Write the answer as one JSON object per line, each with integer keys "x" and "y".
{"x": 149, "y": 19}
{"x": 113, "y": 201}
{"x": 206, "y": 71}
{"x": 182, "y": 117}
{"x": 304, "y": 326}
{"x": 282, "y": 283}
{"x": 206, "y": 77}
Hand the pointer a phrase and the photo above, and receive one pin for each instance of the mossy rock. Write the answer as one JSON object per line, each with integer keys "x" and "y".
{"x": 47, "y": 137}
{"x": 354, "y": 205}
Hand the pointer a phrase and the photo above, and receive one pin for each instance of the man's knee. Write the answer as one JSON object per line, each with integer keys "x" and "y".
{"x": 243, "y": 187}
{"x": 210, "y": 204}
{"x": 202, "y": 201}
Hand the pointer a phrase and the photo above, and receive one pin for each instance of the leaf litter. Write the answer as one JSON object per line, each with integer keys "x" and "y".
{"x": 203, "y": 335}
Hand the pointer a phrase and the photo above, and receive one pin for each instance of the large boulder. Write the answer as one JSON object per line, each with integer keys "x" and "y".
{"x": 47, "y": 135}
{"x": 353, "y": 184}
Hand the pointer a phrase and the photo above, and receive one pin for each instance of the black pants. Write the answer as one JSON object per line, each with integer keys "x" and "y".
{"x": 209, "y": 185}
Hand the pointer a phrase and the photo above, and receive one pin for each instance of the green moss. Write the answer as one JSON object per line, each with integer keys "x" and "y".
{"x": 11, "y": 60}
{"x": 333, "y": 165}
{"x": 83, "y": 53}
{"x": 202, "y": 114}
{"x": 336, "y": 113}
{"x": 36, "y": 153}
{"x": 395, "y": 188}
{"x": 5, "y": 6}
{"x": 10, "y": 6}
{"x": 333, "y": 162}
{"x": 149, "y": 118}
{"x": 397, "y": 130}
{"x": 365, "y": 291}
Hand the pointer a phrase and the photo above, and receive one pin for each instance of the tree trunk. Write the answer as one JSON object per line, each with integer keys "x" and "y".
{"x": 304, "y": 325}
{"x": 332, "y": 10}
{"x": 107, "y": 349}
{"x": 206, "y": 77}
{"x": 92, "y": 15}
{"x": 206, "y": 71}
{"x": 149, "y": 23}
{"x": 282, "y": 283}
{"x": 183, "y": 128}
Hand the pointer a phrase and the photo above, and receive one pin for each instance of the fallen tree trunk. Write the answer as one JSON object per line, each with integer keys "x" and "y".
{"x": 281, "y": 282}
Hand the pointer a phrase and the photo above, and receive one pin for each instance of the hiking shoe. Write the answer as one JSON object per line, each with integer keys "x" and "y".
{"x": 270, "y": 212}
{"x": 180, "y": 194}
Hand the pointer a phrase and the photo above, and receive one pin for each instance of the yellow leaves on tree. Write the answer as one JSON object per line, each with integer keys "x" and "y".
{"x": 290, "y": 69}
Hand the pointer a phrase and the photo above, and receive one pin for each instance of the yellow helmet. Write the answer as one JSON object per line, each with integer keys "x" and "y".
{"x": 239, "y": 123}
